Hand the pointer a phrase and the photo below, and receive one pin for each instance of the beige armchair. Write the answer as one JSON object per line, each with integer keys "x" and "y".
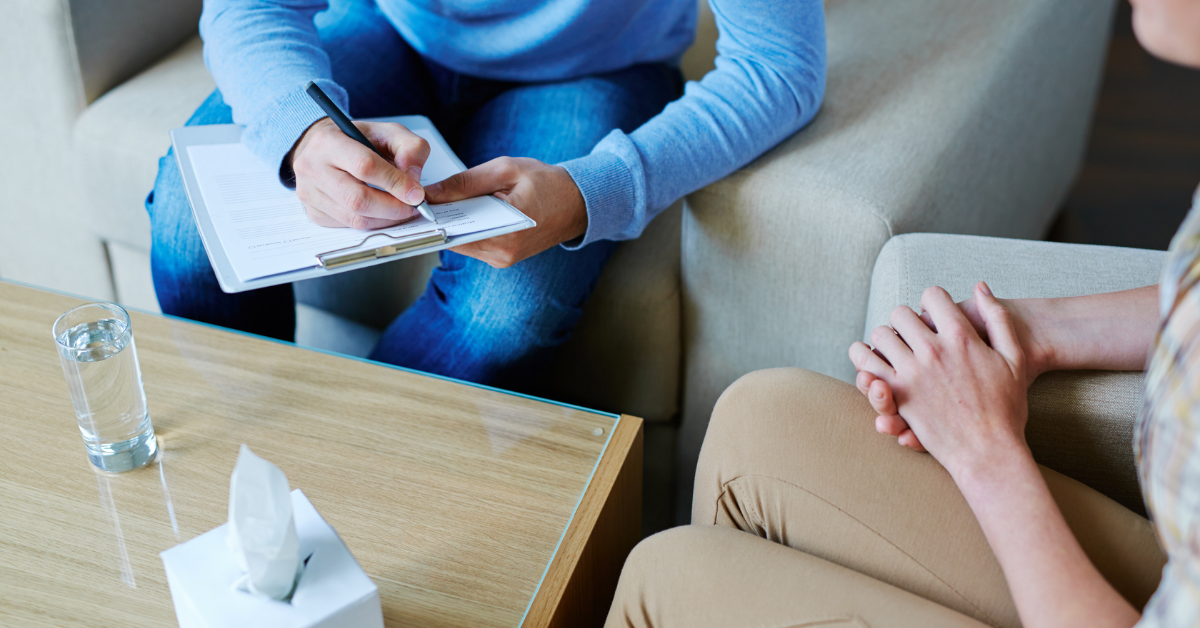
{"x": 945, "y": 116}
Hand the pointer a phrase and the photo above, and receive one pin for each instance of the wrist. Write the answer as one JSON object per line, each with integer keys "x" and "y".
{"x": 306, "y": 137}
{"x": 1045, "y": 349}
{"x": 981, "y": 474}
{"x": 577, "y": 207}
{"x": 287, "y": 168}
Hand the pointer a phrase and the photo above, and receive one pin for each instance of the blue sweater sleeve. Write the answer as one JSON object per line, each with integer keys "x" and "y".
{"x": 768, "y": 83}
{"x": 261, "y": 53}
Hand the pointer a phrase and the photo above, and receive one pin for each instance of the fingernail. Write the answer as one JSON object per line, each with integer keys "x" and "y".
{"x": 414, "y": 196}
{"x": 984, "y": 287}
{"x": 434, "y": 190}
{"x": 415, "y": 173}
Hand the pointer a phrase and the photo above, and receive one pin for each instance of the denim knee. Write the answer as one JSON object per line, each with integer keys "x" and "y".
{"x": 515, "y": 312}
{"x": 494, "y": 326}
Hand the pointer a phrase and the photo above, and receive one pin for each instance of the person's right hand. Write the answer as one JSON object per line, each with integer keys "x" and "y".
{"x": 332, "y": 173}
{"x": 963, "y": 399}
{"x": 1033, "y": 326}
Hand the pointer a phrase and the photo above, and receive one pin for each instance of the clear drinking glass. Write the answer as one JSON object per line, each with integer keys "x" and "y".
{"x": 95, "y": 345}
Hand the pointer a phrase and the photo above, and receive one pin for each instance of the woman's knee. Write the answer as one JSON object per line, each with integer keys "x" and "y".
{"x": 761, "y": 412}
{"x": 763, "y": 405}
{"x": 662, "y": 566}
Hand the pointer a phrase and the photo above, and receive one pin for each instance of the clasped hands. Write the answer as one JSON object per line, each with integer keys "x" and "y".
{"x": 334, "y": 175}
{"x": 952, "y": 380}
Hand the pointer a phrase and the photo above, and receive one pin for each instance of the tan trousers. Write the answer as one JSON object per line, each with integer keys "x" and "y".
{"x": 804, "y": 516}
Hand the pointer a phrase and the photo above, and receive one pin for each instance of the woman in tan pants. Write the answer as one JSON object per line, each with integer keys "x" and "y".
{"x": 884, "y": 536}
{"x": 804, "y": 516}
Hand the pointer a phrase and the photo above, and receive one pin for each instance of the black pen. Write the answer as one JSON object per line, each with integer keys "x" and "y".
{"x": 343, "y": 122}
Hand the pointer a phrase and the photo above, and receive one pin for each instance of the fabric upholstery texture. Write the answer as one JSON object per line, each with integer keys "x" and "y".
{"x": 940, "y": 115}
{"x": 629, "y": 339}
{"x": 131, "y": 276}
{"x": 59, "y": 56}
{"x": 114, "y": 39}
{"x": 1080, "y": 422}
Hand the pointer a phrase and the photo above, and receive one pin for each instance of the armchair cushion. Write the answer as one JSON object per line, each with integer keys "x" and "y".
{"x": 1080, "y": 422}
{"x": 120, "y": 137}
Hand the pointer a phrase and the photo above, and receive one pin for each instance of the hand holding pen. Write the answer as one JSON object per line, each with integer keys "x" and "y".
{"x": 342, "y": 184}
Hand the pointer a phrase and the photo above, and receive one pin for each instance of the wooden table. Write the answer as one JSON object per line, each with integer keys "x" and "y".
{"x": 467, "y": 506}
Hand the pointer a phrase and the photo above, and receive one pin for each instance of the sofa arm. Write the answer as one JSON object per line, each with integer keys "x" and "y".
{"x": 1080, "y": 422}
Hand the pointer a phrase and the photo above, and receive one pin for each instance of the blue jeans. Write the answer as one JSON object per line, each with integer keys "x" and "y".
{"x": 474, "y": 322}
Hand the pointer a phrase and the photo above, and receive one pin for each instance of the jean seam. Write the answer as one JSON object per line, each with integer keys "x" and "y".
{"x": 725, "y": 489}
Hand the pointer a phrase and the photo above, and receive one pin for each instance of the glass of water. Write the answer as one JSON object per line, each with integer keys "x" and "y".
{"x": 95, "y": 345}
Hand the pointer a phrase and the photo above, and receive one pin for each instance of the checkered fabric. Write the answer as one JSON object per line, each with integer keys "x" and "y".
{"x": 1167, "y": 437}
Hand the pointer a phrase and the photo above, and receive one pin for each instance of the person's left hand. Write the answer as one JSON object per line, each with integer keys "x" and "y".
{"x": 889, "y": 421}
{"x": 1039, "y": 331}
{"x": 545, "y": 193}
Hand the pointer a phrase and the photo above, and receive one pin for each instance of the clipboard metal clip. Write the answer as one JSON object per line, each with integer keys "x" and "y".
{"x": 339, "y": 257}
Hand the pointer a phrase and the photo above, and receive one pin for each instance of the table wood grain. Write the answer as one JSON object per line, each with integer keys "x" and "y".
{"x": 453, "y": 498}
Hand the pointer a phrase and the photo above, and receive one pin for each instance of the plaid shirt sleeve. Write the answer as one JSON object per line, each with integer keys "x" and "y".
{"x": 1167, "y": 437}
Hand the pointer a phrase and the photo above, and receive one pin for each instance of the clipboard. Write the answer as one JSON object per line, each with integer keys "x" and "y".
{"x": 330, "y": 262}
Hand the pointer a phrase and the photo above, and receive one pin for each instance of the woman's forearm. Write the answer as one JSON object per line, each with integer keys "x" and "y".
{"x": 1109, "y": 331}
{"x": 1051, "y": 579}
{"x": 965, "y": 400}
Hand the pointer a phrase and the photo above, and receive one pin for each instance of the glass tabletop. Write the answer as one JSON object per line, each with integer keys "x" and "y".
{"x": 452, "y": 497}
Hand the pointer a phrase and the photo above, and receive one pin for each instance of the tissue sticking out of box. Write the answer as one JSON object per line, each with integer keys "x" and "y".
{"x": 262, "y": 530}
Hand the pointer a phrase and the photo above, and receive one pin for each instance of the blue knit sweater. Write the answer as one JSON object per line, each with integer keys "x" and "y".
{"x": 769, "y": 79}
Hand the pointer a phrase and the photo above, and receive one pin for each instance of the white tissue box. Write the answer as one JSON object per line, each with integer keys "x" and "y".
{"x": 332, "y": 591}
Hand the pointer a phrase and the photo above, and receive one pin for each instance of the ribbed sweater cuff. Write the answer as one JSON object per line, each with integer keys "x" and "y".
{"x": 273, "y": 138}
{"x": 609, "y": 193}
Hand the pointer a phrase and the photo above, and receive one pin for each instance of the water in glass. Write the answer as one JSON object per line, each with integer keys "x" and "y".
{"x": 100, "y": 362}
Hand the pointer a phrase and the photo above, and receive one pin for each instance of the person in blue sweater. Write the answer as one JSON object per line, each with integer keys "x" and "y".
{"x": 574, "y": 111}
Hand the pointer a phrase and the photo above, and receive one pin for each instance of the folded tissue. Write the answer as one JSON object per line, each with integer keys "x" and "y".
{"x": 262, "y": 532}
{"x": 275, "y": 563}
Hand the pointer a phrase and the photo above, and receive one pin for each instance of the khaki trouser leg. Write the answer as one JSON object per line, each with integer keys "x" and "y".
{"x": 792, "y": 456}
{"x": 712, "y": 576}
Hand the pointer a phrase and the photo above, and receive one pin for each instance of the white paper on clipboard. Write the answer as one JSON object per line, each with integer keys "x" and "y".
{"x": 255, "y": 229}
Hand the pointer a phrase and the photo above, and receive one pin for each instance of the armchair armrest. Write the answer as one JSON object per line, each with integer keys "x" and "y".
{"x": 1080, "y": 422}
